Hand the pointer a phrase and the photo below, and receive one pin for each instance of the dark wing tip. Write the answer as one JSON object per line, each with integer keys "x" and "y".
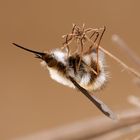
{"x": 98, "y": 103}
{"x": 105, "y": 109}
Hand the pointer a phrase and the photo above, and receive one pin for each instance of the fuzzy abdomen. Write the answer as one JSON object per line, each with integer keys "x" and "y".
{"x": 85, "y": 75}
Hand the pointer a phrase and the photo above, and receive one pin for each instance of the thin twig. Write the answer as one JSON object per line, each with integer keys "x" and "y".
{"x": 134, "y": 100}
{"x": 133, "y": 71}
{"x": 137, "y": 137}
{"x": 135, "y": 58}
{"x": 100, "y": 128}
{"x": 121, "y": 43}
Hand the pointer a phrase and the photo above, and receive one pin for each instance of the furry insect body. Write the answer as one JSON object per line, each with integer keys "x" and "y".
{"x": 63, "y": 70}
{"x": 61, "y": 67}
{"x": 85, "y": 75}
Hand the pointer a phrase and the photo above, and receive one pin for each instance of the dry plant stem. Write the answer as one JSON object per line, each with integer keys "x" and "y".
{"x": 120, "y": 134}
{"x": 133, "y": 71}
{"x": 100, "y": 128}
{"x": 121, "y": 43}
{"x": 137, "y": 138}
{"x": 134, "y": 100}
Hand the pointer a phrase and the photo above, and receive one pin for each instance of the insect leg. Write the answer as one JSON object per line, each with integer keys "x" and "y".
{"x": 97, "y": 48}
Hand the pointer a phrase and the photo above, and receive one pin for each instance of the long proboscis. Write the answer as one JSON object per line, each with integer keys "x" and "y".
{"x": 38, "y": 54}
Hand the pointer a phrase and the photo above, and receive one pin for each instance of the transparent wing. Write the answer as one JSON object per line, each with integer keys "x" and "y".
{"x": 98, "y": 103}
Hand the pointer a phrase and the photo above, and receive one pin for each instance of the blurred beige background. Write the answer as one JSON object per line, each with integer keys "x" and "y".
{"x": 29, "y": 100}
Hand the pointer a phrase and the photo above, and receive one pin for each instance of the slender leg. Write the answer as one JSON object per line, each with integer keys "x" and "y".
{"x": 83, "y": 28}
{"x": 92, "y": 34}
{"x": 67, "y": 46}
{"x": 68, "y": 40}
{"x": 97, "y": 35}
{"x": 73, "y": 29}
{"x": 98, "y": 45}
{"x": 81, "y": 53}
{"x": 93, "y": 42}
{"x": 78, "y": 46}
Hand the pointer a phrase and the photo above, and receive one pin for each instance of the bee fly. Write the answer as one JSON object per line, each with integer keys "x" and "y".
{"x": 63, "y": 69}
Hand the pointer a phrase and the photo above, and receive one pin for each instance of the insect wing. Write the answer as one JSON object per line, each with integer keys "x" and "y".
{"x": 98, "y": 103}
